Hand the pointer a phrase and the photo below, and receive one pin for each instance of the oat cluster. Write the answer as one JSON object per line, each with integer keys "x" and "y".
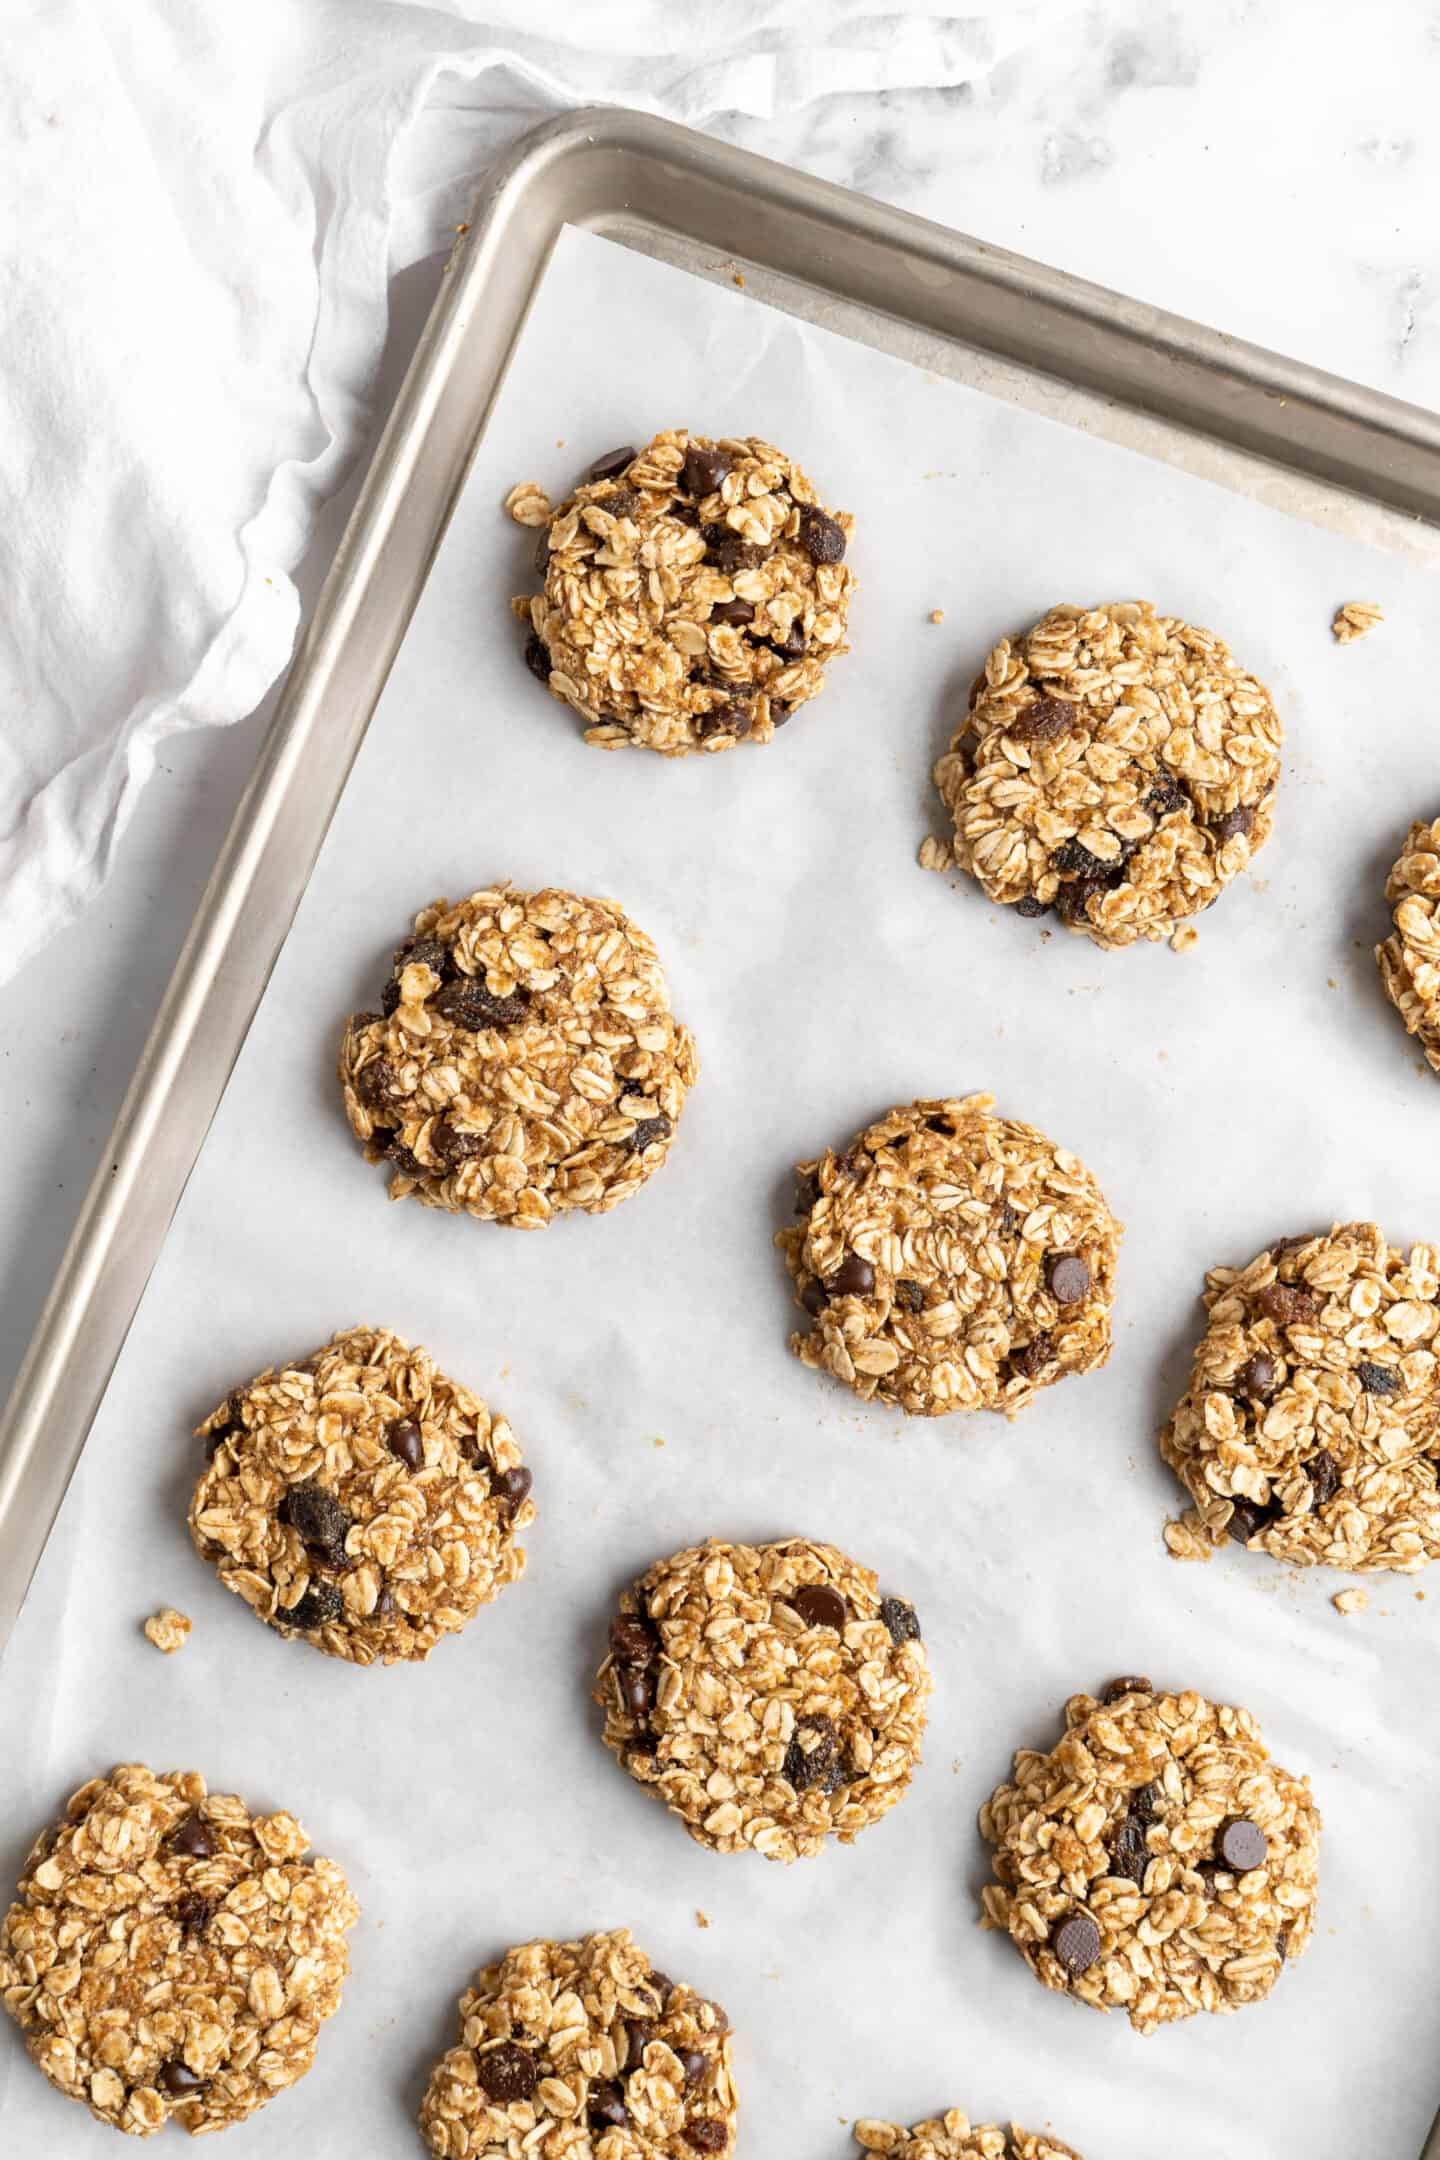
{"x": 695, "y": 592}
{"x": 525, "y": 1060}
{"x": 949, "y": 1259}
{"x": 952, "y": 2136}
{"x": 168, "y": 1630}
{"x": 771, "y": 1695}
{"x": 1356, "y": 619}
{"x": 169, "y": 1956}
{"x": 1409, "y": 959}
{"x": 582, "y": 2051}
{"x": 362, "y": 1500}
{"x": 1311, "y": 1425}
{"x": 1156, "y": 1861}
{"x": 1116, "y": 767}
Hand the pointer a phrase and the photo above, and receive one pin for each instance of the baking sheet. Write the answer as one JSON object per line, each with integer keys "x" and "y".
{"x": 1256, "y": 1085}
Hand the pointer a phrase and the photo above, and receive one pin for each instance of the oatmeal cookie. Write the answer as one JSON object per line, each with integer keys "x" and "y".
{"x": 694, "y": 593}
{"x": 170, "y": 1956}
{"x": 951, "y": 1260}
{"x": 525, "y": 1060}
{"x": 1409, "y": 959}
{"x": 1156, "y": 1860}
{"x": 769, "y": 1694}
{"x": 953, "y": 2136}
{"x": 1115, "y": 765}
{"x": 563, "y": 2043}
{"x": 361, "y": 1500}
{"x": 1311, "y": 1425}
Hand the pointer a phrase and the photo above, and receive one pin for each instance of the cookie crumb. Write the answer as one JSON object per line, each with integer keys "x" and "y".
{"x": 738, "y": 280}
{"x": 1181, "y": 1539}
{"x": 1185, "y": 938}
{"x": 168, "y": 1630}
{"x": 937, "y": 614}
{"x": 935, "y": 853}
{"x": 1351, "y": 1601}
{"x": 702, "y": 1920}
{"x": 528, "y": 503}
{"x": 1356, "y": 619}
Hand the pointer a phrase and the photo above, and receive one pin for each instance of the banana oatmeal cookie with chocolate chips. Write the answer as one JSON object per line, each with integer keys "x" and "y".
{"x": 525, "y": 1060}
{"x": 582, "y": 2049}
{"x": 694, "y": 593}
{"x": 1116, "y": 766}
{"x": 769, "y": 1694}
{"x": 361, "y": 1499}
{"x": 1311, "y": 1426}
{"x": 171, "y": 1957}
{"x": 1156, "y": 1861}
{"x": 1409, "y": 959}
{"x": 953, "y": 2136}
{"x": 951, "y": 1260}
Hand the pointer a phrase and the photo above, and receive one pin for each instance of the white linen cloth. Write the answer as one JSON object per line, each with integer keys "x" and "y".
{"x": 203, "y": 206}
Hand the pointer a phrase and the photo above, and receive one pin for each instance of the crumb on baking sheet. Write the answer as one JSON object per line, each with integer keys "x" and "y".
{"x": 935, "y": 853}
{"x": 1351, "y": 1601}
{"x": 1184, "y": 938}
{"x": 937, "y": 614}
{"x": 1355, "y": 619}
{"x": 702, "y": 1920}
{"x": 168, "y": 1630}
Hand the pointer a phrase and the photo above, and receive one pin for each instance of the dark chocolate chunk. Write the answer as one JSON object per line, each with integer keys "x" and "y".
{"x": 822, "y": 539}
{"x": 467, "y": 1003}
{"x": 1257, "y": 1376}
{"x": 1067, "y": 1278}
{"x": 1247, "y": 1519}
{"x": 901, "y": 1619}
{"x": 606, "y": 2108}
{"x": 178, "y": 2080}
{"x": 807, "y": 1191}
{"x": 389, "y": 998}
{"x": 1044, "y": 721}
{"x": 1324, "y": 1474}
{"x": 814, "y": 1297}
{"x": 1233, "y": 823}
{"x": 1242, "y": 1844}
{"x": 853, "y": 1278}
{"x": 1130, "y": 1684}
{"x": 703, "y": 469}
{"x": 1287, "y": 1307}
{"x": 729, "y": 553}
{"x": 612, "y": 464}
{"x": 792, "y": 645}
{"x": 821, "y": 1605}
{"x": 512, "y": 1486}
{"x": 736, "y": 611}
{"x": 663, "y": 1985}
{"x": 192, "y": 1913}
{"x": 537, "y": 658}
{"x": 402, "y": 1437}
{"x": 733, "y": 717}
{"x": 1076, "y": 1943}
{"x": 507, "y": 2073}
{"x": 694, "y": 2065}
{"x": 541, "y": 557}
{"x": 633, "y": 1641}
{"x": 319, "y": 1521}
{"x": 321, "y": 1606}
{"x": 1378, "y": 1379}
{"x": 192, "y": 1839}
{"x": 909, "y": 1296}
{"x": 813, "y": 1756}
{"x": 647, "y": 1132}
{"x": 639, "y": 2033}
{"x": 637, "y": 1689}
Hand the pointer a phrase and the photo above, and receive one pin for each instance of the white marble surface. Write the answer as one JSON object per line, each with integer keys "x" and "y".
{"x": 1266, "y": 165}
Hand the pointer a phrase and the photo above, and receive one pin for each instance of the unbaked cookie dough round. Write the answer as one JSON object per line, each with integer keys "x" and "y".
{"x": 953, "y": 2136}
{"x": 951, "y": 1260}
{"x": 525, "y": 1060}
{"x": 361, "y": 1499}
{"x": 1409, "y": 959}
{"x": 1310, "y": 1429}
{"x": 1156, "y": 1861}
{"x": 771, "y": 1695}
{"x": 563, "y": 2044}
{"x": 1117, "y": 767}
{"x": 694, "y": 593}
{"x": 171, "y": 1957}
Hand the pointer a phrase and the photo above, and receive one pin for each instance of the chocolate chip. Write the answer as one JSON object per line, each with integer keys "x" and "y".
{"x": 1378, "y": 1379}
{"x": 647, "y": 1132}
{"x": 822, "y": 539}
{"x": 384, "y": 1604}
{"x": 1030, "y": 1360}
{"x": 1030, "y": 907}
{"x": 684, "y": 513}
{"x": 1257, "y": 1376}
{"x": 1324, "y": 1474}
{"x": 1076, "y": 1943}
{"x": 1129, "y": 1852}
{"x": 606, "y": 2108}
{"x": 512, "y": 1486}
{"x": 450, "y": 1144}
{"x": 1067, "y": 1278}
{"x": 612, "y": 464}
{"x": 815, "y": 1297}
{"x": 467, "y": 1003}
{"x": 178, "y": 2080}
{"x": 192, "y": 1913}
{"x": 853, "y": 1278}
{"x": 813, "y": 1756}
{"x": 821, "y": 1605}
{"x": 1282, "y": 1944}
{"x": 1044, "y": 721}
{"x": 633, "y": 1641}
{"x": 1287, "y": 1307}
{"x": 1165, "y": 796}
{"x": 729, "y": 553}
{"x": 537, "y": 659}
{"x": 507, "y": 2073}
{"x": 1131, "y": 1684}
{"x": 389, "y": 997}
{"x": 192, "y": 1839}
{"x": 1294, "y": 1244}
{"x": 694, "y": 2066}
{"x": 909, "y": 1296}
{"x": 541, "y": 557}
{"x": 663, "y": 1985}
{"x": 1242, "y": 1844}
{"x": 792, "y": 645}
{"x": 319, "y": 1521}
{"x": 703, "y": 469}
{"x": 1247, "y": 1519}
{"x": 736, "y": 611}
{"x": 406, "y": 1161}
{"x": 807, "y": 1191}
{"x": 1233, "y": 823}
{"x": 733, "y": 717}
{"x": 637, "y": 1689}
{"x": 901, "y": 1619}
{"x": 321, "y": 1606}
{"x": 621, "y": 502}
{"x": 708, "y": 2135}
{"x": 639, "y": 2033}
{"x": 402, "y": 1437}
{"x": 216, "y": 1440}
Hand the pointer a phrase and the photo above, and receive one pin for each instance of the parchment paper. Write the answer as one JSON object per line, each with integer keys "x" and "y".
{"x": 1258, "y": 1085}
